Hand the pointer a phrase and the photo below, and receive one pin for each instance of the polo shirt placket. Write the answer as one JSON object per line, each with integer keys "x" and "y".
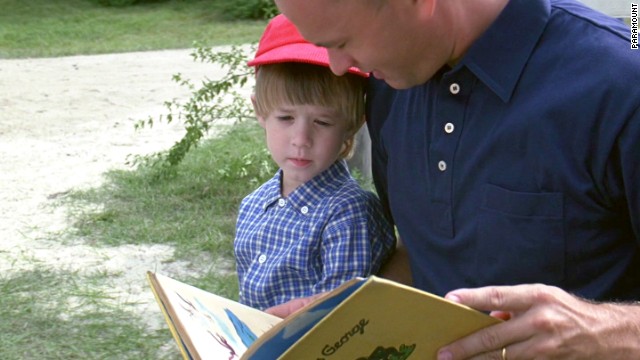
{"x": 447, "y": 123}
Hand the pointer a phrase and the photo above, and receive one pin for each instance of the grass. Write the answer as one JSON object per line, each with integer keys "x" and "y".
{"x": 61, "y": 315}
{"x": 54, "y": 314}
{"x": 34, "y": 329}
{"x": 45, "y": 28}
{"x": 194, "y": 210}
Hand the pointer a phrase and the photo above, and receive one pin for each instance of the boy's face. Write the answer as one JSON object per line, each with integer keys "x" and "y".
{"x": 304, "y": 140}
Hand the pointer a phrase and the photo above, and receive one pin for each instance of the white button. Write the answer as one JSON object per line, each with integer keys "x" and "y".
{"x": 304, "y": 210}
{"x": 282, "y": 202}
{"x": 442, "y": 165}
{"x": 449, "y": 127}
{"x": 262, "y": 258}
{"x": 454, "y": 88}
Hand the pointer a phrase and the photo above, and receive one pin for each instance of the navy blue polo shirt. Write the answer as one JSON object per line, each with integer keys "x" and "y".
{"x": 522, "y": 163}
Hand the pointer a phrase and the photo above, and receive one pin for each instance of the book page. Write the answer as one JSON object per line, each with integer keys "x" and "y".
{"x": 210, "y": 326}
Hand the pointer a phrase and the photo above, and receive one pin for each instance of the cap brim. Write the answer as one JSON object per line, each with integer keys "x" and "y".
{"x": 299, "y": 52}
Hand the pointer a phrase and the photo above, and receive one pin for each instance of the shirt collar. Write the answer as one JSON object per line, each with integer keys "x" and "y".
{"x": 500, "y": 55}
{"x": 313, "y": 191}
{"x": 272, "y": 190}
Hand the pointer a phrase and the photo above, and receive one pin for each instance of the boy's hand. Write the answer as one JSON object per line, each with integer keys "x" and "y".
{"x": 288, "y": 308}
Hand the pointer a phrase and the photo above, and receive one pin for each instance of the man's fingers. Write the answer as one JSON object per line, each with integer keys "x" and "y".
{"x": 497, "y": 298}
{"x": 519, "y": 303}
{"x": 489, "y": 342}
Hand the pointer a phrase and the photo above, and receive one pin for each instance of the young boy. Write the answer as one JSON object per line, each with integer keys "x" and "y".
{"x": 311, "y": 227}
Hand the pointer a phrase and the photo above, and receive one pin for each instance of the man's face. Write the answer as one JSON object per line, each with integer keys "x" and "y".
{"x": 386, "y": 38}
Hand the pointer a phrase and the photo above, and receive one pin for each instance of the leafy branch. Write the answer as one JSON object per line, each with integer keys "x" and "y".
{"x": 213, "y": 101}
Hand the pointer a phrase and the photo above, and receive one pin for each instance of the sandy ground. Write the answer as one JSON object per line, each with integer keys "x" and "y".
{"x": 63, "y": 123}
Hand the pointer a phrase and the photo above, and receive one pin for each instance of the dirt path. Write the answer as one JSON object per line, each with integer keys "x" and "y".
{"x": 63, "y": 123}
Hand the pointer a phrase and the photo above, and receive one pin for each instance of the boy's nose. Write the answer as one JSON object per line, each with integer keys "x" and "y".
{"x": 301, "y": 135}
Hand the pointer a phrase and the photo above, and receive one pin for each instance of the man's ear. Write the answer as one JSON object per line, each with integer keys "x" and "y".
{"x": 260, "y": 118}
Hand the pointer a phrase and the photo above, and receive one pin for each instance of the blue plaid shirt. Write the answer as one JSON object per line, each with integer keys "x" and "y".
{"x": 325, "y": 232}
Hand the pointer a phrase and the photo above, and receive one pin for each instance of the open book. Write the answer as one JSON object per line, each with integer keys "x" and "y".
{"x": 364, "y": 319}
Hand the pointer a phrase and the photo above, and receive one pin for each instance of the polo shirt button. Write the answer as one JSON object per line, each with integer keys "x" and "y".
{"x": 304, "y": 210}
{"x": 262, "y": 258}
{"x": 282, "y": 202}
{"x": 454, "y": 88}
{"x": 442, "y": 166}
{"x": 449, "y": 127}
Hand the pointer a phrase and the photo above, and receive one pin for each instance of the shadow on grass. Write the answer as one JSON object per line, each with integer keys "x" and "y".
{"x": 49, "y": 315}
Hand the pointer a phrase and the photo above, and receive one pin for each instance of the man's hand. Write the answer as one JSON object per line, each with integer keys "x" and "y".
{"x": 285, "y": 309}
{"x": 545, "y": 322}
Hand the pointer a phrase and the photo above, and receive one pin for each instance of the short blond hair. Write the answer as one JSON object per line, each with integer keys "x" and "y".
{"x": 292, "y": 83}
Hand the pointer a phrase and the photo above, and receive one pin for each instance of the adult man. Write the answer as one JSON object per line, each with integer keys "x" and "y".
{"x": 505, "y": 146}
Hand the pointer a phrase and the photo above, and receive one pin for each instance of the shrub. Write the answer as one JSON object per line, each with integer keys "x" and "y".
{"x": 213, "y": 100}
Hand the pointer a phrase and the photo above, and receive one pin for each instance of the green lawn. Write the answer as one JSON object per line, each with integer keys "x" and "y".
{"x": 48, "y": 28}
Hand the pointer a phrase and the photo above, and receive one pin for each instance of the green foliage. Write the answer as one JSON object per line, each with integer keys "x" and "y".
{"x": 214, "y": 101}
{"x": 248, "y": 9}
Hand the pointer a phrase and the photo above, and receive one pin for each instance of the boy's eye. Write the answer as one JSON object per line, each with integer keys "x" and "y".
{"x": 322, "y": 123}
{"x": 285, "y": 117}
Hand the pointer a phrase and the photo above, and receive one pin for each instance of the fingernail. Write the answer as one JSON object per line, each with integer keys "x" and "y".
{"x": 454, "y": 298}
{"x": 445, "y": 355}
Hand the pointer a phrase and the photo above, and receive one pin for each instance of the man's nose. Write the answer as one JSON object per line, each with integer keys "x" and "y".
{"x": 339, "y": 62}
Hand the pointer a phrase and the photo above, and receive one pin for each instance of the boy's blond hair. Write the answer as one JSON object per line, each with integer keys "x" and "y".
{"x": 292, "y": 83}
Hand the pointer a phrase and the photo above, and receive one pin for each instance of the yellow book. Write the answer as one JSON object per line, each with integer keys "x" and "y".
{"x": 364, "y": 319}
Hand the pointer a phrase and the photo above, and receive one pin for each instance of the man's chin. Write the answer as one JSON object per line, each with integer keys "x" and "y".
{"x": 398, "y": 85}
{"x": 377, "y": 74}
{"x": 394, "y": 83}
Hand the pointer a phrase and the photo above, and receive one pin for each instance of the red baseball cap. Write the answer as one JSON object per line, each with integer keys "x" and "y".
{"x": 281, "y": 42}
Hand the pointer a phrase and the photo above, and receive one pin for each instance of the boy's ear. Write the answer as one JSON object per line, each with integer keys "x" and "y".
{"x": 260, "y": 118}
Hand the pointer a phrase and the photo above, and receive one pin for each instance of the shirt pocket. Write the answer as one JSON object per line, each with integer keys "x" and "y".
{"x": 520, "y": 237}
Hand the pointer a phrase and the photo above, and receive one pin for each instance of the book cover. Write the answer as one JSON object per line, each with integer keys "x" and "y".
{"x": 364, "y": 319}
